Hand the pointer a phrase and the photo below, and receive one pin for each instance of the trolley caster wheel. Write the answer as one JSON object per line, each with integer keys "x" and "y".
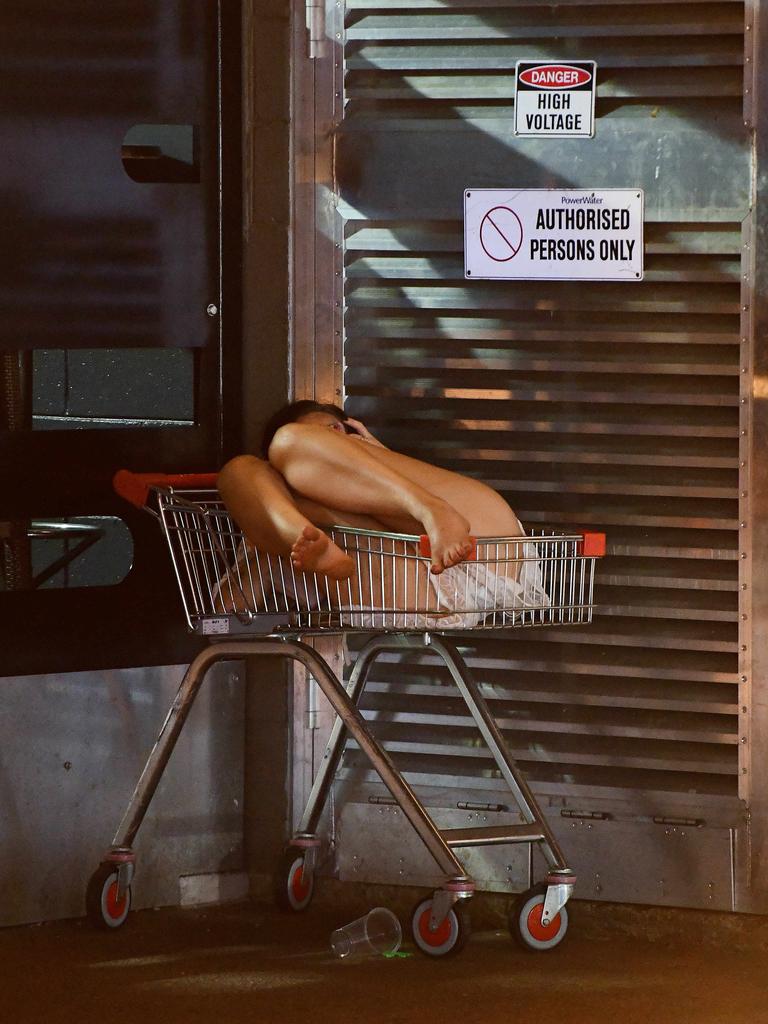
{"x": 294, "y": 887}
{"x": 103, "y": 906}
{"x": 449, "y": 938}
{"x": 525, "y": 922}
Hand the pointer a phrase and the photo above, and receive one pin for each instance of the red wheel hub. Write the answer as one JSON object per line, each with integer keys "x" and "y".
{"x": 115, "y": 907}
{"x": 299, "y": 888}
{"x": 440, "y": 935}
{"x": 539, "y": 931}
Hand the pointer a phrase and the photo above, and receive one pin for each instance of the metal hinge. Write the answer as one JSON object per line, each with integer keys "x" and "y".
{"x": 315, "y": 28}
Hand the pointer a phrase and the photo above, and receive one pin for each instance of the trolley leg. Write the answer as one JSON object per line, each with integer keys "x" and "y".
{"x": 351, "y": 720}
{"x": 337, "y": 740}
{"x": 163, "y": 748}
{"x": 379, "y": 758}
{"x": 491, "y": 733}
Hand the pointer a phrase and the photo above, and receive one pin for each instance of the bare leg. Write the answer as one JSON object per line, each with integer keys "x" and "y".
{"x": 258, "y": 499}
{"x": 487, "y": 512}
{"x": 342, "y": 472}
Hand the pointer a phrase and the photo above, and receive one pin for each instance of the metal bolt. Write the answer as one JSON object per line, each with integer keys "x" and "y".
{"x": 743, "y": 679}
{"x": 211, "y": 309}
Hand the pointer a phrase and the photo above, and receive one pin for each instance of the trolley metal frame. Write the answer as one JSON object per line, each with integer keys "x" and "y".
{"x": 212, "y": 561}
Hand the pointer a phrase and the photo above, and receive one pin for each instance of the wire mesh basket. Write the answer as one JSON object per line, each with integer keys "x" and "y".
{"x": 229, "y": 587}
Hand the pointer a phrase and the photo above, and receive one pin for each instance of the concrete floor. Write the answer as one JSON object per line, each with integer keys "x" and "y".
{"x": 250, "y": 963}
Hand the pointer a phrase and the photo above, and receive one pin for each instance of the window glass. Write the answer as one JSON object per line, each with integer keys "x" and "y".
{"x": 79, "y": 551}
{"x": 107, "y": 388}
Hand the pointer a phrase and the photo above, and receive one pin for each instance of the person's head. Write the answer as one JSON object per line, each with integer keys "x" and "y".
{"x": 305, "y": 411}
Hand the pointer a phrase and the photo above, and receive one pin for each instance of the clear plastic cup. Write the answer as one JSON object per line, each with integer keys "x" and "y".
{"x": 378, "y": 932}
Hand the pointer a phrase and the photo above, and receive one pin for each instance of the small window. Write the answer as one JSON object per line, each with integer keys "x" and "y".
{"x": 78, "y": 551}
{"x": 108, "y": 388}
{"x": 161, "y": 153}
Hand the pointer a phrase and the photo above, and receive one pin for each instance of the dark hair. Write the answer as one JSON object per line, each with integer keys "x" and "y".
{"x": 291, "y": 413}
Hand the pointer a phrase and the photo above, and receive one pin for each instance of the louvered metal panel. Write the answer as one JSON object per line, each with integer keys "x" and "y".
{"x": 616, "y": 406}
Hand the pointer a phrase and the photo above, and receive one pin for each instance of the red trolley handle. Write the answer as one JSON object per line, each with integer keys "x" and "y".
{"x": 592, "y": 544}
{"x": 134, "y": 487}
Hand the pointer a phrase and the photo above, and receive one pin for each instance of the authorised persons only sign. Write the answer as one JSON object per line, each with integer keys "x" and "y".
{"x": 569, "y": 234}
{"x": 555, "y": 99}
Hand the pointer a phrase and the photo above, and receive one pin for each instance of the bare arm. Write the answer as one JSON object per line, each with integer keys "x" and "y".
{"x": 360, "y": 430}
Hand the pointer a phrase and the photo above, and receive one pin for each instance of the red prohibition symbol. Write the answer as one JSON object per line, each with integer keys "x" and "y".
{"x": 501, "y": 234}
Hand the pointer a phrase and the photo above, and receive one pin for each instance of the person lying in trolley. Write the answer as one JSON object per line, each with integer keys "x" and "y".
{"x": 322, "y": 468}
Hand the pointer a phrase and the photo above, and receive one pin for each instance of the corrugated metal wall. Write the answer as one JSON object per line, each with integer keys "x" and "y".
{"x": 614, "y": 406}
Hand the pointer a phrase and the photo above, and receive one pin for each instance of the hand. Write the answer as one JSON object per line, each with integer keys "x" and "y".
{"x": 360, "y": 430}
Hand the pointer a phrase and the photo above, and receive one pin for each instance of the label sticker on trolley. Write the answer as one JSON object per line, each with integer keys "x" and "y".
{"x": 213, "y": 626}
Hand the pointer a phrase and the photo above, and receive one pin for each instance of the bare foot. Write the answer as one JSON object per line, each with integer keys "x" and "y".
{"x": 314, "y": 551}
{"x": 449, "y": 538}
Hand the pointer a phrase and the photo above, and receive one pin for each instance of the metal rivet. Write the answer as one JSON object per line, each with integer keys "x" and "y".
{"x": 211, "y": 309}
{"x": 743, "y": 739}
{"x": 744, "y": 709}
{"x": 743, "y": 554}
{"x": 743, "y": 679}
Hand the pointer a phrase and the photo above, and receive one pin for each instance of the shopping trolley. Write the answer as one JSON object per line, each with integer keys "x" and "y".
{"x": 249, "y": 603}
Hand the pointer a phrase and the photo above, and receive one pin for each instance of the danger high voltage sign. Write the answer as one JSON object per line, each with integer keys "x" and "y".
{"x": 555, "y": 99}
{"x": 567, "y": 234}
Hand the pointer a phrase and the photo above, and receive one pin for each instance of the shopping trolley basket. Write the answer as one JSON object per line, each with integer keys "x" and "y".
{"x": 250, "y": 603}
